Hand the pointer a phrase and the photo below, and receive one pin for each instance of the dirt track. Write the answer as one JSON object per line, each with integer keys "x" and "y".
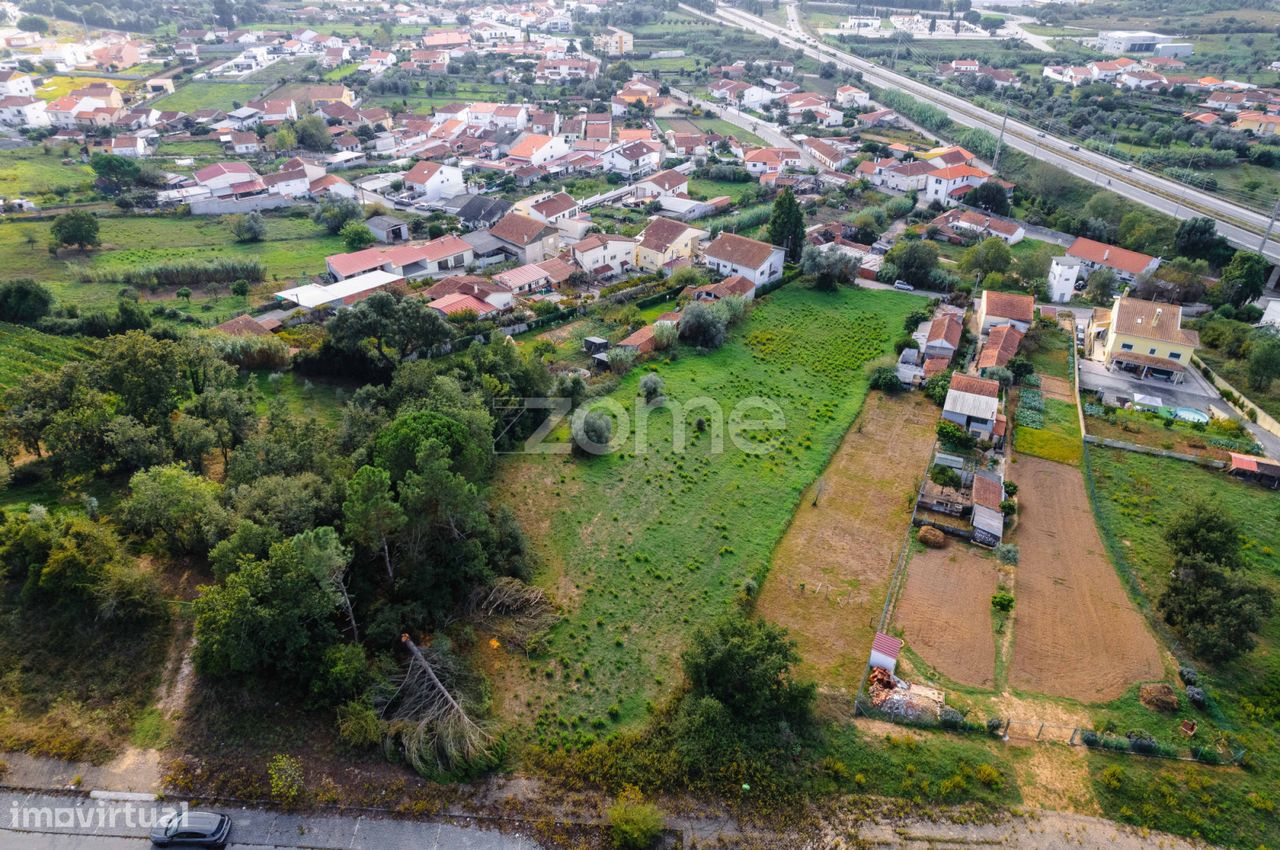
{"x": 945, "y": 613}
{"x": 1076, "y": 632}
{"x": 829, "y": 572}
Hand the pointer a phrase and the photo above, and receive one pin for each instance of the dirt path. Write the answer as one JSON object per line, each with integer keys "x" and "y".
{"x": 829, "y": 572}
{"x": 945, "y": 612}
{"x": 1078, "y": 634}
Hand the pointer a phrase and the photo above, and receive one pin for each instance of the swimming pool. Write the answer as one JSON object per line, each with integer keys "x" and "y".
{"x": 1190, "y": 414}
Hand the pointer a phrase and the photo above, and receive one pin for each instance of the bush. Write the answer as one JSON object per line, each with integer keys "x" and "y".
{"x": 633, "y": 823}
{"x": 1007, "y": 553}
{"x": 358, "y": 724}
{"x": 884, "y": 379}
{"x": 1197, "y": 697}
{"x": 950, "y": 718}
{"x": 287, "y": 784}
{"x": 651, "y": 387}
{"x": 1002, "y": 601}
{"x": 994, "y": 725}
{"x": 1188, "y": 675}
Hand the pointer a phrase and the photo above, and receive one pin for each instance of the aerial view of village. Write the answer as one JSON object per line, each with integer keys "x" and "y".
{"x": 637, "y": 424}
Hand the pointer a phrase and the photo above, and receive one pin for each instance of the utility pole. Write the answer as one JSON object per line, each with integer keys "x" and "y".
{"x": 1275, "y": 211}
{"x": 995, "y": 160}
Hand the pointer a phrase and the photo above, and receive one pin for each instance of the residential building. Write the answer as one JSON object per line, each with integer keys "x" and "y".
{"x": 733, "y": 285}
{"x": 730, "y": 254}
{"x": 614, "y": 42}
{"x": 973, "y": 404}
{"x": 493, "y": 293}
{"x": 771, "y": 160}
{"x": 433, "y": 181}
{"x": 826, "y": 153}
{"x": 605, "y": 255}
{"x": 549, "y": 207}
{"x": 959, "y": 225}
{"x": 1258, "y": 123}
{"x": 943, "y": 338}
{"x": 668, "y": 182}
{"x": 16, "y": 84}
{"x": 1068, "y": 273}
{"x": 847, "y": 96}
{"x": 1143, "y": 338}
{"x": 1000, "y": 347}
{"x": 634, "y": 159}
{"x": 1005, "y": 308}
{"x": 948, "y": 185}
{"x": 664, "y": 242}
{"x": 538, "y": 149}
{"x": 23, "y": 111}
{"x": 524, "y": 238}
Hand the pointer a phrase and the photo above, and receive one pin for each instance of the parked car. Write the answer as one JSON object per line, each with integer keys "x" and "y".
{"x": 1073, "y": 147}
{"x": 903, "y": 285}
{"x": 192, "y": 829}
{"x": 1040, "y": 135}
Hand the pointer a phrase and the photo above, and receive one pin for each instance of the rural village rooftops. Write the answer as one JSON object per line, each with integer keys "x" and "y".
{"x": 519, "y": 229}
{"x": 1009, "y": 305}
{"x": 661, "y": 233}
{"x": 1002, "y": 343}
{"x": 975, "y": 386}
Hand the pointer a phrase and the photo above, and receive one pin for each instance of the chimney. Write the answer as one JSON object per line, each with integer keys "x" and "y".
{"x": 1106, "y": 255}
{"x": 1156, "y": 320}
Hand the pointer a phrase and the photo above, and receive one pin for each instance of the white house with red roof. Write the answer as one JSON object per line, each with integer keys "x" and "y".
{"x": 1068, "y": 273}
{"x": 948, "y": 185}
{"x": 731, "y": 254}
{"x": 434, "y": 181}
{"x": 222, "y": 175}
{"x": 668, "y": 182}
{"x": 537, "y": 148}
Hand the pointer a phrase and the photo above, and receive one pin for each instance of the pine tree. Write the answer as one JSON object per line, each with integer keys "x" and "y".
{"x": 786, "y": 225}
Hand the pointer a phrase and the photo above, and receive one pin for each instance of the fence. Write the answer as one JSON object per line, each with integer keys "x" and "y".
{"x": 1149, "y": 450}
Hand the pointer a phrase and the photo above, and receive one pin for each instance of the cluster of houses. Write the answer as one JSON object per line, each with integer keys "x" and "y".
{"x": 945, "y": 174}
{"x": 106, "y": 51}
{"x": 973, "y": 403}
{"x": 1242, "y": 105}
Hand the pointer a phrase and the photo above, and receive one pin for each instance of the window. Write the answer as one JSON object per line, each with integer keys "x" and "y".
{"x": 1175, "y": 355}
{"x": 1152, "y": 351}
{"x": 1126, "y": 346}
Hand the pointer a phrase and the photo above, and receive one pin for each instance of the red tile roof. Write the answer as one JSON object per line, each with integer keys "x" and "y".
{"x": 1009, "y": 305}
{"x": 974, "y": 386}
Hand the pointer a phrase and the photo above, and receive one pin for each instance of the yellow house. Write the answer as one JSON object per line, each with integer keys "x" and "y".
{"x": 665, "y": 241}
{"x": 1143, "y": 338}
{"x": 1260, "y": 123}
{"x": 615, "y": 42}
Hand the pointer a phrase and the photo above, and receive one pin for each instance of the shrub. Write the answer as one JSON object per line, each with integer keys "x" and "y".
{"x": 287, "y": 783}
{"x": 884, "y": 379}
{"x": 1007, "y": 553}
{"x": 1197, "y": 697}
{"x": 1187, "y": 675}
{"x": 1002, "y": 601}
{"x": 954, "y": 438}
{"x": 944, "y": 476}
{"x": 994, "y": 725}
{"x": 358, "y": 724}
{"x": 633, "y": 823}
{"x": 651, "y": 386}
{"x": 987, "y": 774}
{"x": 932, "y": 537}
{"x": 950, "y": 718}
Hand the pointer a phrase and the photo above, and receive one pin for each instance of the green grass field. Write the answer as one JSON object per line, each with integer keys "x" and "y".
{"x": 1058, "y": 440}
{"x": 206, "y": 95}
{"x": 1137, "y": 495}
{"x": 643, "y": 545}
{"x": 24, "y": 350}
{"x": 58, "y": 86}
{"x": 32, "y": 173}
{"x": 716, "y": 188}
{"x": 293, "y": 247}
{"x": 196, "y": 147}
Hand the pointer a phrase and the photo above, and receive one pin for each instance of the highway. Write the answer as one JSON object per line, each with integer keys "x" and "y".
{"x": 1243, "y": 227}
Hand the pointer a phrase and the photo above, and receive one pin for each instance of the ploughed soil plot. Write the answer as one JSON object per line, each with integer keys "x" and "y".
{"x": 1078, "y": 635}
{"x": 830, "y": 570}
{"x": 1058, "y": 388}
{"x": 945, "y": 612}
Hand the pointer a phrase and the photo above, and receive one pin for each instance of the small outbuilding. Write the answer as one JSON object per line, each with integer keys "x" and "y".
{"x": 595, "y": 344}
{"x": 884, "y": 651}
{"x": 388, "y": 229}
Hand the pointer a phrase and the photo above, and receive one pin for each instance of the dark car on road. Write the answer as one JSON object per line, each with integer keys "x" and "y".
{"x": 192, "y": 829}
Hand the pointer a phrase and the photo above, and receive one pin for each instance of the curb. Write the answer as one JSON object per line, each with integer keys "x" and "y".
{"x": 123, "y": 796}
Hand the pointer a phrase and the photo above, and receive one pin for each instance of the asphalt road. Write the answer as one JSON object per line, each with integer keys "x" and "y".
{"x": 26, "y": 824}
{"x": 1244, "y": 227}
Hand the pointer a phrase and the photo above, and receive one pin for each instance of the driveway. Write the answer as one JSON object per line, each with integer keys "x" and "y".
{"x": 89, "y": 827}
{"x": 1195, "y": 391}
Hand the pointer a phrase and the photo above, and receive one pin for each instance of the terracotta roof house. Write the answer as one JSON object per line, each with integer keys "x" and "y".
{"x": 1145, "y": 338}
{"x": 664, "y": 241}
{"x": 730, "y": 254}
{"x": 452, "y": 305}
{"x": 242, "y": 326}
{"x": 1002, "y": 343}
{"x": 944, "y": 336}
{"x": 1005, "y": 308}
{"x": 526, "y": 238}
{"x": 732, "y": 285}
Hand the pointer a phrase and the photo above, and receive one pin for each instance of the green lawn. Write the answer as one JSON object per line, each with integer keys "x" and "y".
{"x": 1136, "y": 496}
{"x": 341, "y": 72}
{"x": 642, "y": 546}
{"x": 58, "y": 86}
{"x": 207, "y": 95}
{"x": 32, "y": 173}
{"x": 1050, "y": 357}
{"x": 716, "y": 188}
{"x": 195, "y": 147}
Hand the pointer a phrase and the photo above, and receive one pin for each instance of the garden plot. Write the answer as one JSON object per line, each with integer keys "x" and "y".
{"x": 945, "y": 612}
{"x": 830, "y": 571}
{"x": 1077, "y": 633}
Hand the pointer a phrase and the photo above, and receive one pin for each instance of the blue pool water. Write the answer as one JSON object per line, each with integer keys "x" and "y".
{"x": 1190, "y": 414}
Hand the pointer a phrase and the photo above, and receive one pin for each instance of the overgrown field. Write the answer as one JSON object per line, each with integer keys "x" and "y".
{"x": 1137, "y": 495}
{"x": 31, "y": 173}
{"x": 641, "y": 546}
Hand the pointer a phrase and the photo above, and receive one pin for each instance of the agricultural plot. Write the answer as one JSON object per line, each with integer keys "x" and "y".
{"x": 830, "y": 571}
{"x": 58, "y": 86}
{"x": 644, "y": 544}
{"x": 24, "y": 351}
{"x": 1051, "y": 432}
{"x": 1078, "y": 634}
{"x": 945, "y": 612}
{"x": 292, "y": 247}
{"x": 209, "y": 95}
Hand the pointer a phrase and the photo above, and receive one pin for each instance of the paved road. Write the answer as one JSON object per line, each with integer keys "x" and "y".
{"x": 766, "y": 130}
{"x": 253, "y": 828}
{"x": 1242, "y": 226}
